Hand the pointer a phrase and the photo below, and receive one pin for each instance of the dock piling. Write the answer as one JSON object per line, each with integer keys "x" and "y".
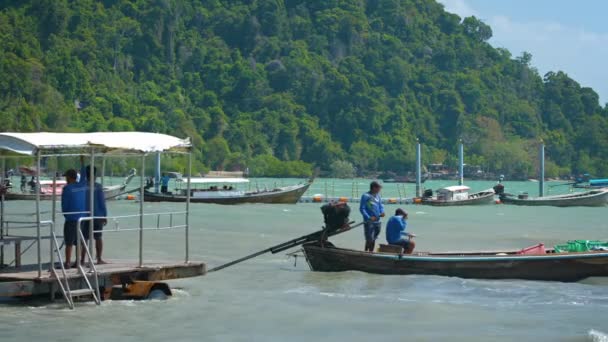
{"x": 418, "y": 170}
{"x": 461, "y": 163}
{"x": 541, "y": 178}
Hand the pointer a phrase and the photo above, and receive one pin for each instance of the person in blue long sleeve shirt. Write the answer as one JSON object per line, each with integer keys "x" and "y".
{"x": 72, "y": 201}
{"x": 99, "y": 210}
{"x": 372, "y": 209}
{"x": 396, "y": 234}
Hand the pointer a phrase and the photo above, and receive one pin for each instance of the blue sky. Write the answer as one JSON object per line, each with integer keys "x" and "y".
{"x": 566, "y": 35}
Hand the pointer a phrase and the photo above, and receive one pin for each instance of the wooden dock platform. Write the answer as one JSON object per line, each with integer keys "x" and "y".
{"x": 24, "y": 281}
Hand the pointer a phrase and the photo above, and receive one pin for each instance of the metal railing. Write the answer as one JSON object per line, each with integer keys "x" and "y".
{"x": 114, "y": 225}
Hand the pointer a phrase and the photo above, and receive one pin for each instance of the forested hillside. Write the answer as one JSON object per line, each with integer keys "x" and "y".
{"x": 257, "y": 82}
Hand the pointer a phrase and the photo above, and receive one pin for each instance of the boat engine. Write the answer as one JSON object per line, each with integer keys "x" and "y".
{"x": 335, "y": 215}
{"x": 499, "y": 189}
{"x": 428, "y": 193}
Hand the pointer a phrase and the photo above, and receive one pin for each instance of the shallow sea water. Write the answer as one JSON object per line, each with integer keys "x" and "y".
{"x": 270, "y": 299}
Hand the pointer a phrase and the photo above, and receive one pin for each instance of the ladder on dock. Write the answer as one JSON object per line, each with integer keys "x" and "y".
{"x": 64, "y": 282}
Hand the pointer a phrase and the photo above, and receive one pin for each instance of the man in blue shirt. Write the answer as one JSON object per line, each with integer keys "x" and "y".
{"x": 372, "y": 209}
{"x": 164, "y": 183}
{"x": 73, "y": 198}
{"x": 395, "y": 232}
{"x": 99, "y": 210}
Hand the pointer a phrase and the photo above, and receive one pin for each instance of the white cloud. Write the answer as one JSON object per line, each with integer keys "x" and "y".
{"x": 554, "y": 46}
{"x": 459, "y": 7}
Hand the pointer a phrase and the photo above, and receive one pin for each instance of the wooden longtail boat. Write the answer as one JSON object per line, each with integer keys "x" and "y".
{"x": 46, "y": 190}
{"x": 593, "y": 198}
{"x": 281, "y": 195}
{"x": 459, "y": 195}
{"x": 566, "y": 267}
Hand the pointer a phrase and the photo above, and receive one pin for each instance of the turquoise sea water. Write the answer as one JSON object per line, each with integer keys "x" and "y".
{"x": 270, "y": 299}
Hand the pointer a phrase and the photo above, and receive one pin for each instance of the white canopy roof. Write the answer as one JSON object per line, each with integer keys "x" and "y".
{"x": 141, "y": 142}
{"x": 455, "y": 188}
{"x": 203, "y": 180}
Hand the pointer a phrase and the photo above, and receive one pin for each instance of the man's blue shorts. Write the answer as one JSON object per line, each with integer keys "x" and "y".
{"x": 405, "y": 243}
{"x": 371, "y": 230}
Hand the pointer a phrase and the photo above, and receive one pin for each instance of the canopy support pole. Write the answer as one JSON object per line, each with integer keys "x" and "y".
{"x": 141, "y": 211}
{"x": 418, "y": 170}
{"x": 103, "y": 171}
{"x": 37, "y": 189}
{"x": 91, "y": 200}
{"x": 53, "y": 215}
{"x": 157, "y": 173}
{"x": 2, "y": 212}
{"x": 187, "y": 247}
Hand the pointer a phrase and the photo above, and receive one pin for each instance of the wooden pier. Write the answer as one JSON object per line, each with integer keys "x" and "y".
{"x": 24, "y": 281}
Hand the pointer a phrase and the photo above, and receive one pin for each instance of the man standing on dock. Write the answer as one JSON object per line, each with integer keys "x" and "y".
{"x": 73, "y": 208}
{"x": 99, "y": 210}
{"x": 372, "y": 209}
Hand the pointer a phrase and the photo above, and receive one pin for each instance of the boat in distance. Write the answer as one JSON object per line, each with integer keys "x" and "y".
{"x": 550, "y": 266}
{"x": 457, "y": 195}
{"x": 46, "y": 190}
{"x": 592, "y": 198}
{"x": 229, "y": 195}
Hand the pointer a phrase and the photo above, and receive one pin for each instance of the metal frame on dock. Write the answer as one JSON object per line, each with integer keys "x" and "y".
{"x": 92, "y": 145}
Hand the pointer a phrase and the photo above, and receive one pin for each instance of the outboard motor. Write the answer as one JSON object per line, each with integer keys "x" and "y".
{"x": 335, "y": 215}
{"x": 428, "y": 193}
{"x": 499, "y": 189}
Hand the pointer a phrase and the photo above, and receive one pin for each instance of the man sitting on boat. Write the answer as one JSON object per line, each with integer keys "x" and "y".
{"x": 396, "y": 234}
{"x": 372, "y": 210}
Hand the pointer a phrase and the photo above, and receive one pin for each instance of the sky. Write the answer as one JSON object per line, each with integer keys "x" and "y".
{"x": 566, "y": 35}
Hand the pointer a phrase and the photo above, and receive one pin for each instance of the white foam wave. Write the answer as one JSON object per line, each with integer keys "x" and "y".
{"x": 597, "y": 336}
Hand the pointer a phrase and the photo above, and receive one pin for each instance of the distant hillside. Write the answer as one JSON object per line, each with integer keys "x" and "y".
{"x": 255, "y": 83}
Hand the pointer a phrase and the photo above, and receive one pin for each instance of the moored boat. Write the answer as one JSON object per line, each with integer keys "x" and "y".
{"x": 46, "y": 190}
{"x": 458, "y": 195}
{"x": 229, "y": 194}
{"x": 592, "y": 198}
{"x": 550, "y": 266}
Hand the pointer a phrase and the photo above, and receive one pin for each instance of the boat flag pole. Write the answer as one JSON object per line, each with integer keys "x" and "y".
{"x": 461, "y": 163}
{"x": 418, "y": 170}
{"x": 541, "y": 179}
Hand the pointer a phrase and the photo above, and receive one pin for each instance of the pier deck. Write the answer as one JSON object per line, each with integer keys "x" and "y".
{"x": 24, "y": 282}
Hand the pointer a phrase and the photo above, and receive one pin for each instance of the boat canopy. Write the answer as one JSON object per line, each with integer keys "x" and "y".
{"x": 203, "y": 180}
{"x": 598, "y": 182}
{"x": 456, "y": 188}
{"x": 106, "y": 142}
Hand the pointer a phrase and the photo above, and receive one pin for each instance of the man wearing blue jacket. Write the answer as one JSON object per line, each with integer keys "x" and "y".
{"x": 99, "y": 210}
{"x": 372, "y": 209}
{"x": 73, "y": 206}
{"x": 396, "y": 234}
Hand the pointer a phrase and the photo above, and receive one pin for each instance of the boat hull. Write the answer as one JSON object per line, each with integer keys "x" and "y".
{"x": 480, "y": 198}
{"x": 290, "y": 195}
{"x": 597, "y": 198}
{"x": 550, "y": 267}
{"x": 110, "y": 193}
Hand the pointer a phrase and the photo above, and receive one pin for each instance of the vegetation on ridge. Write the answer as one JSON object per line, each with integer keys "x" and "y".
{"x": 278, "y": 85}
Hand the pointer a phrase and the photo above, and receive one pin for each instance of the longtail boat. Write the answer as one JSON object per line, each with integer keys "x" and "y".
{"x": 46, "y": 190}
{"x": 458, "y": 195}
{"x": 592, "y": 198}
{"x": 549, "y": 266}
{"x": 229, "y": 194}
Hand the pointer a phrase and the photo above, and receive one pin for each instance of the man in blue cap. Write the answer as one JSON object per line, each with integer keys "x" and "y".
{"x": 372, "y": 210}
{"x": 396, "y": 234}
